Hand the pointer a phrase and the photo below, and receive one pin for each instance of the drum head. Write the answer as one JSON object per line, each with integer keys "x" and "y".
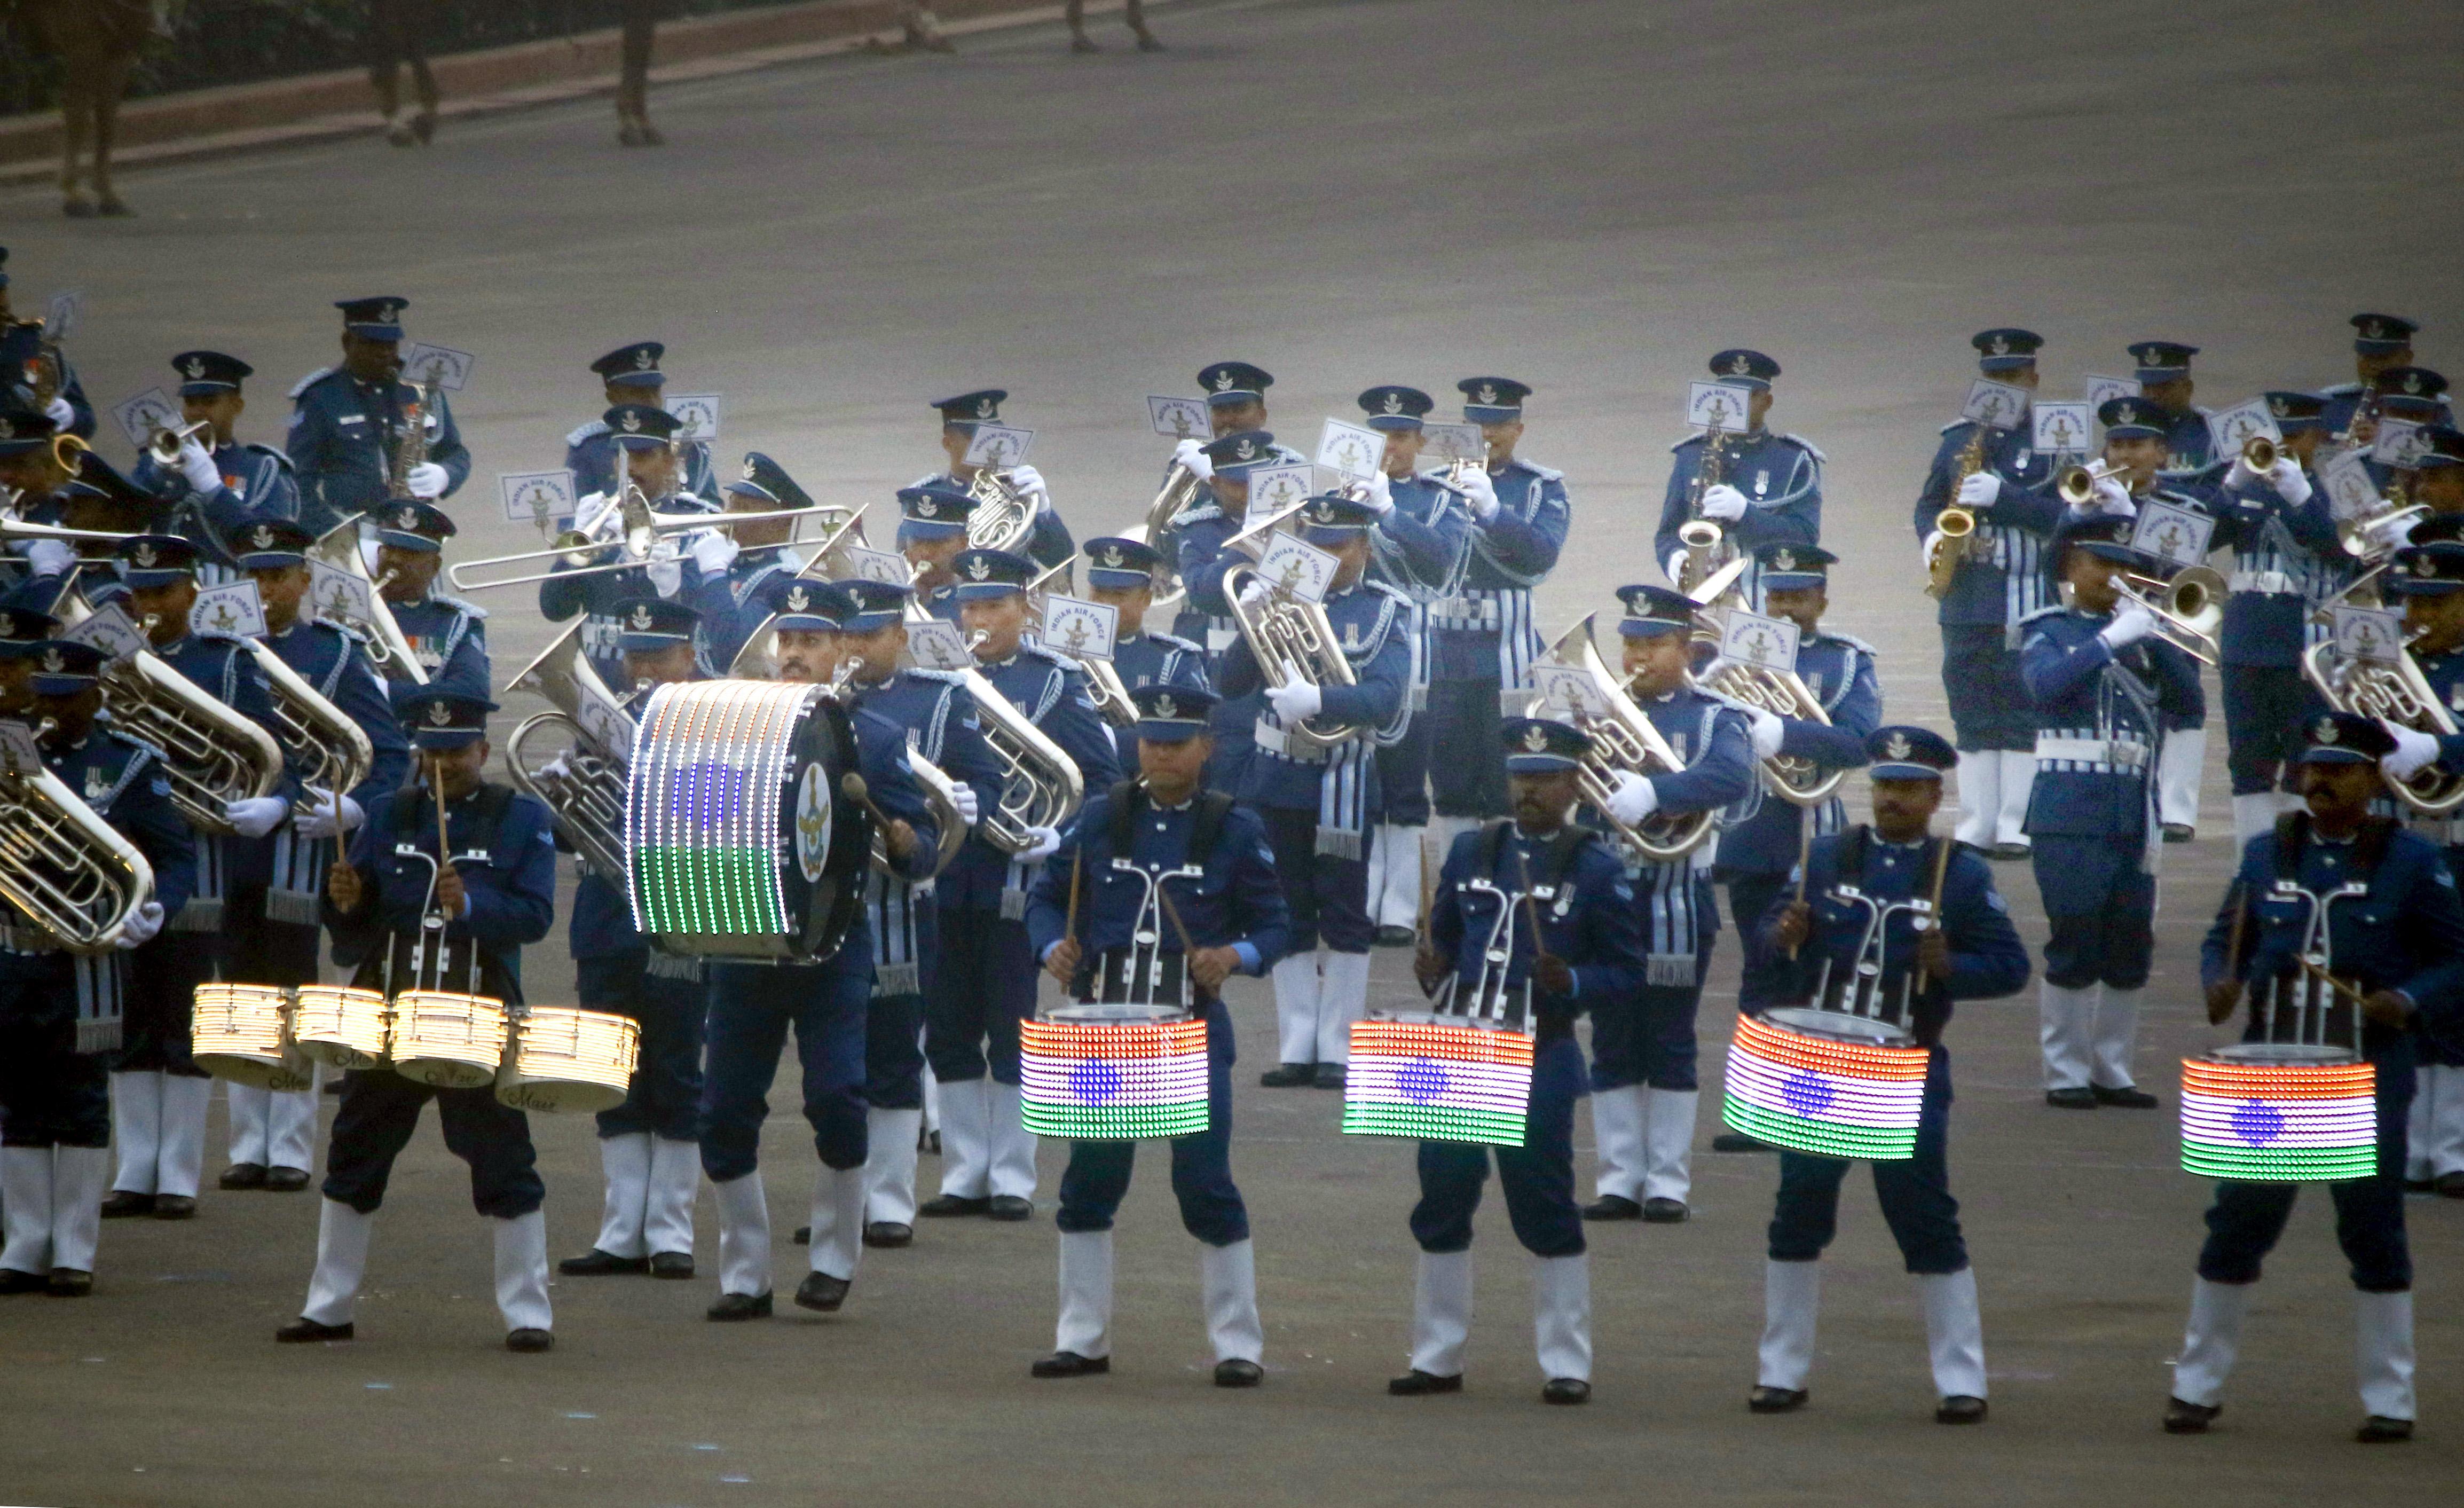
{"x": 1097, "y": 1016}
{"x": 1840, "y": 1026}
{"x": 2285, "y": 1053}
{"x": 828, "y": 839}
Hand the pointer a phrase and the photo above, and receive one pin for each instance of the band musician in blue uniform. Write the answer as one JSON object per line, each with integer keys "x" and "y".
{"x": 1762, "y": 488}
{"x": 349, "y": 423}
{"x": 628, "y": 375}
{"x": 217, "y": 485}
{"x": 1121, "y": 574}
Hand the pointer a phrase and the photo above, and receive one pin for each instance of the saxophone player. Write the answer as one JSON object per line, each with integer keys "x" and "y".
{"x": 346, "y": 422}
{"x": 1768, "y": 490}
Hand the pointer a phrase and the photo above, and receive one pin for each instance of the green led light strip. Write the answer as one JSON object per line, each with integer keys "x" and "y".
{"x": 1433, "y": 1123}
{"x": 1820, "y": 1138}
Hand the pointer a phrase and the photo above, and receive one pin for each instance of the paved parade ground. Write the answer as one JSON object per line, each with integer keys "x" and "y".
{"x": 1591, "y": 196}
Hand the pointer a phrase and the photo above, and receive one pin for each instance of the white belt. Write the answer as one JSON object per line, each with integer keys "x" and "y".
{"x": 1220, "y": 638}
{"x": 2266, "y": 582}
{"x": 2092, "y": 751}
{"x": 1273, "y": 736}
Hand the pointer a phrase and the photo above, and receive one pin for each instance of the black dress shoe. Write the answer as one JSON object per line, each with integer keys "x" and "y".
{"x": 672, "y": 1265}
{"x": 2008, "y": 851}
{"x": 2132, "y": 1098}
{"x": 14, "y": 1281}
{"x": 2450, "y": 1186}
{"x": 1238, "y": 1372}
{"x": 2179, "y": 832}
{"x": 1664, "y": 1211}
{"x": 2379, "y": 1430}
{"x": 740, "y": 1306}
{"x": 596, "y": 1263}
{"x": 1288, "y": 1075}
{"x": 2181, "y": 1418}
{"x": 1417, "y": 1384}
{"x": 174, "y": 1206}
{"x": 804, "y": 1236}
{"x": 304, "y": 1331}
{"x": 1391, "y": 936}
{"x": 529, "y": 1342}
{"x": 69, "y": 1282}
{"x": 1776, "y": 1400}
{"x": 822, "y": 1292}
{"x": 243, "y": 1175}
{"x": 1739, "y": 1141}
{"x": 1070, "y": 1364}
{"x": 1010, "y": 1207}
{"x": 2079, "y": 1096}
{"x": 1565, "y": 1390}
{"x": 1612, "y": 1207}
{"x": 889, "y": 1233}
{"x": 950, "y": 1206}
{"x": 1960, "y": 1408}
{"x": 2421, "y": 1186}
{"x": 123, "y": 1204}
{"x": 285, "y": 1179}
{"x": 1330, "y": 1075}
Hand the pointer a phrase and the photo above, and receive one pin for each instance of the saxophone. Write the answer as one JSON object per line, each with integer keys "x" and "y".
{"x": 409, "y": 442}
{"x": 1708, "y": 546}
{"x": 1956, "y": 525}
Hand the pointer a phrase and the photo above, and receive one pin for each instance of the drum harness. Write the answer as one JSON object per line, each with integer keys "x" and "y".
{"x": 1146, "y": 972}
{"x": 1863, "y": 994}
{"x": 2314, "y": 997}
{"x": 428, "y": 955}
{"x": 1494, "y": 997}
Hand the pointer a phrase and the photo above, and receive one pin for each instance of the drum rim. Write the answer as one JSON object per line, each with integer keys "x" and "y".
{"x": 1081, "y": 1013}
{"x": 1873, "y": 1032}
{"x": 2284, "y": 1054}
{"x": 1432, "y": 1018}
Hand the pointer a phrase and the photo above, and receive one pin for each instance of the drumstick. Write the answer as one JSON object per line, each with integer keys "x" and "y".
{"x": 1530, "y": 911}
{"x": 857, "y": 792}
{"x": 2233, "y": 945}
{"x": 1941, "y": 872}
{"x": 1077, "y": 865}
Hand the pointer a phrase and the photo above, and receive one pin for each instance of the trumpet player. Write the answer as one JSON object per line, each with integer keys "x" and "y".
{"x": 2437, "y": 476}
{"x": 215, "y": 484}
{"x": 932, "y": 531}
{"x": 2000, "y": 480}
{"x": 2286, "y": 558}
{"x": 1121, "y": 574}
{"x": 1643, "y": 1085}
{"x": 2380, "y": 342}
{"x": 1759, "y": 487}
{"x": 348, "y": 422}
{"x": 274, "y": 1131}
{"x": 730, "y": 600}
{"x": 1047, "y": 543}
{"x": 447, "y": 635}
{"x": 677, "y": 562}
{"x": 2105, "y": 683}
{"x": 1318, "y": 790}
{"x": 2163, "y": 374}
{"x": 61, "y": 1013}
{"x": 629, "y": 375}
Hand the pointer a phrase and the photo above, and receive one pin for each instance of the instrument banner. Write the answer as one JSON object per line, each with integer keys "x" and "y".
{"x": 1293, "y": 565}
{"x": 2099, "y": 389}
{"x": 2232, "y": 429}
{"x": 696, "y": 414}
{"x": 1749, "y": 638}
{"x": 146, "y": 414}
{"x": 1277, "y": 488}
{"x": 2369, "y": 634}
{"x": 1999, "y": 404}
{"x": 1715, "y": 406}
{"x": 234, "y": 609}
{"x": 2279, "y": 1123}
{"x": 109, "y": 629}
{"x": 998, "y": 447}
{"x": 536, "y": 497}
{"x": 1352, "y": 449}
{"x": 1078, "y": 628}
{"x": 1180, "y": 418}
{"x": 436, "y": 366}
{"x": 2177, "y": 536}
{"x": 2064, "y": 429}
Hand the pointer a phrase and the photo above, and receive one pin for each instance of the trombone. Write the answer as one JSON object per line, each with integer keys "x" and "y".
{"x": 640, "y": 530}
{"x": 2187, "y": 609}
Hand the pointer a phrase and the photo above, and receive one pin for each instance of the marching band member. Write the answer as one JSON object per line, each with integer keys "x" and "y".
{"x": 649, "y": 1146}
{"x": 2286, "y": 558}
{"x": 447, "y": 635}
{"x": 2380, "y": 342}
{"x": 217, "y": 485}
{"x": 2437, "y": 475}
{"x": 628, "y": 375}
{"x": 1229, "y": 918}
{"x": 60, "y": 1014}
{"x": 493, "y": 885}
{"x": 1769, "y": 486}
{"x": 2104, "y": 683}
{"x": 1974, "y": 954}
{"x": 274, "y": 1131}
{"x": 1643, "y": 1086}
{"x": 932, "y": 531}
{"x": 1319, "y": 803}
{"x": 159, "y": 1095}
{"x": 2163, "y": 374}
{"x": 1236, "y": 404}
{"x": 2000, "y": 579}
{"x": 985, "y": 978}
{"x": 1482, "y": 639}
{"x": 345, "y": 419}
{"x": 750, "y": 1008}
{"x": 1047, "y": 543}
{"x": 69, "y": 410}
{"x": 2415, "y": 395}
{"x": 673, "y": 570}
{"x": 1199, "y": 534}
{"x": 1551, "y": 903}
{"x": 1121, "y": 574}
{"x": 735, "y": 563}
{"x": 2394, "y": 950}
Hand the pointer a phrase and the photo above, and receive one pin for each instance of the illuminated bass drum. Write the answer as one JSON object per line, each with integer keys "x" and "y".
{"x": 740, "y": 843}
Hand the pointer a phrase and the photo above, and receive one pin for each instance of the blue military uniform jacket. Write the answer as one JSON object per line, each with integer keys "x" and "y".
{"x": 1155, "y": 660}
{"x": 1761, "y": 837}
{"x": 331, "y": 661}
{"x": 591, "y": 456}
{"x": 1194, "y": 537}
{"x": 257, "y": 483}
{"x": 1234, "y": 901}
{"x": 938, "y": 721}
{"x": 2189, "y": 449}
{"x": 1484, "y": 628}
{"x": 2284, "y": 559}
{"x": 1780, "y": 474}
{"x": 508, "y": 871}
{"x": 1372, "y": 626}
{"x": 342, "y": 436}
{"x": 1048, "y": 690}
{"x": 2006, "y": 573}
{"x": 1585, "y": 905}
{"x": 1986, "y": 958}
{"x": 1679, "y": 916}
{"x": 729, "y": 605}
{"x": 450, "y": 638}
{"x": 562, "y": 595}
{"x": 2099, "y": 723}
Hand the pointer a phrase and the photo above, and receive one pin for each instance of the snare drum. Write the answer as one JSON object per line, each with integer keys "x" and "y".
{"x": 1826, "y": 1083}
{"x": 1437, "y": 1078}
{"x": 2280, "y": 1113}
{"x": 340, "y": 1027}
{"x": 450, "y": 1041}
{"x": 564, "y": 1061}
{"x": 1123, "y": 1073}
{"x": 238, "y": 1033}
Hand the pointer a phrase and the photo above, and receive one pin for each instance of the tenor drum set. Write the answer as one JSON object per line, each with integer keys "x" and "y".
{"x": 1112, "y": 1072}
{"x": 1438, "y": 1078}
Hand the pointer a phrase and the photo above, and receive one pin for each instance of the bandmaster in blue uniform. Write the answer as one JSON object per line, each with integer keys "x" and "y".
{"x": 346, "y": 420}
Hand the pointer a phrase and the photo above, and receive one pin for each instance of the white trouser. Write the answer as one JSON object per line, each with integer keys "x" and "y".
{"x": 274, "y": 1127}
{"x": 1616, "y": 1132}
{"x": 341, "y": 1263}
{"x": 2253, "y": 816}
{"x": 890, "y": 1162}
{"x": 1297, "y": 989}
{"x": 1395, "y": 876}
{"x": 2435, "y": 1144}
{"x": 1343, "y": 998}
{"x": 625, "y": 1162}
{"x": 26, "y": 1209}
{"x": 1954, "y": 1332}
{"x": 180, "y": 1160}
{"x": 2381, "y": 1352}
{"x": 838, "y": 1221}
{"x": 966, "y": 1138}
{"x": 2212, "y": 1341}
{"x": 2116, "y": 1037}
{"x": 1561, "y": 1315}
{"x": 137, "y": 1128}
{"x": 2065, "y": 1030}
{"x": 76, "y": 1203}
{"x": 1668, "y": 1144}
{"x": 2018, "y": 780}
{"x": 1792, "y": 1307}
{"x": 521, "y": 1272}
{"x": 667, "y": 1211}
{"x": 1441, "y": 1313}
{"x": 1086, "y": 1325}
{"x": 1980, "y": 800}
{"x": 1228, "y": 1282}
{"x": 744, "y": 1236}
{"x": 2177, "y": 776}
{"x": 1014, "y": 1145}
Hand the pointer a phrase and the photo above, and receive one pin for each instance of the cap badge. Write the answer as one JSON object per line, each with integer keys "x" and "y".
{"x": 750, "y": 470}
{"x": 642, "y": 616}
{"x": 2412, "y": 381}
{"x": 1783, "y": 560}
{"x": 2423, "y": 565}
{"x": 1488, "y": 392}
{"x": 980, "y": 568}
{"x": 1246, "y": 450}
{"x": 983, "y": 407}
{"x": 54, "y": 661}
{"x": 1223, "y": 382}
{"x": 1897, "y": 747}
{"x": 1166, "y": 707}
{"x": 1394, "y": 403}
{"x": 2373, "y": 330}
{"x": 1741, "y": 366}
{"x": 633, "y": 423}
{"x": 2282, "y": 407}
{"x": 643, "y": 360}
{"x": 8, "y": 430}
{"x": 439, "y": 715}
{"x": 927, "y": 506}
{"x": 2001, "y": 345}
{"x": 143, "y": 555}
{"x": 1113, "y": 556}
{"x": 195, "y": 367}
{"x": 1536, "y": 738}
{"x": 798, "y": 600}
{"x": 2323, "y": 731}
{"x": 263, "y": 537}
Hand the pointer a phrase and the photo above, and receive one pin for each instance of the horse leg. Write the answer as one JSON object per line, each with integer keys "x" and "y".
{"x": 74, "y": 117}
{"x": 633, "y": 128}
{"x": 1135, "y": 14}
{"x": 415, "y": 30}
{"x": 1076, "y": 13}
{"x": 385, "y": 52}
{"x": 112, "y": 79}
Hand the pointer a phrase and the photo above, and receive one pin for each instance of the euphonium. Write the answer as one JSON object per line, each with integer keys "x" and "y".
{"x": 1040, "y": 786}
{"x": 211, "y": 755}
{"x": 587, "y": 798}
{"x": 331, "y": 751}
{"x": 388, "y": 649}
{"x": 2400, "y": 693}
{"x": 1293, "y": 643}
{"x": 1623, "y": 742}
{"x": 1798, "y": 782}
{"x": 62, "y": 867}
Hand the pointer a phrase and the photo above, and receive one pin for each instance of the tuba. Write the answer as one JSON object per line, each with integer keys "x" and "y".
{"x": 332, "y": 752}
{"x": 2402, "y": 695}
{"x": 62, "y": 867}
{"x": 1623, "y": 742}
{"x": 587, "y": 798}
{"x": 1293, "y": 642}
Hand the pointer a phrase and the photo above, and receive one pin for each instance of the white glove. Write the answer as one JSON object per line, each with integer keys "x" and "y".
{"x": 1980, "y": 491}
{"x": 963, "y": 796}
{"x": 255, "y": 816}
{"x": 1192, "y": 454}
{"x": 713, "y": 550}
{"x": 1634, "y": 799}
{"x": 2286, "y": 477}
{"x": 667, "y": 576}
{"x": 1252, "y": 590}
{"x": 2112, "y": 496}
{"x": 1048, "y": 842}
{"x": 554, "y": 769}
{"x": 2129, "y": 626}
{"x": 1480, "y": 494}
{"x": 1723, "y": 504}
{"x": 591, "y": 510}
{"x": 1296, "y": 704}
{"x": 321, "y": 820}
{"x": 199, "y": 467}
{"x": 1027, "y": 479}
{"x": 142, "y": 925}
{"x": 50, "y": 557}
{"x": 1381, "y": 495}
{"x": 2413, "y": 749}
{"x": 2239, "y": 474}
{"x": 61, "y": 415}
{"x": 1677, "y": 568}
{"x": 1769, "y": 730}
{"x": 427, "y": 480}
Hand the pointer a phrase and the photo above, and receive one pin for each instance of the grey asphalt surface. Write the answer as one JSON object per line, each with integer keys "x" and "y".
{"x": 1590, "y": 196}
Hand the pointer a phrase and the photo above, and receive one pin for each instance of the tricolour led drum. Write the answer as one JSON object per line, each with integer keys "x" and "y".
{"x": 1438, "y": 1081}
{"x": 1113, "y": 1073}
{"x": 741, "y": 843}
{"x": 2279, "y": 1123}
{"x": 1828, "y": 1095}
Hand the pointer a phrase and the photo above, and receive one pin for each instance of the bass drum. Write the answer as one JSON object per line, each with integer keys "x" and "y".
{"x": 742, "y": 843}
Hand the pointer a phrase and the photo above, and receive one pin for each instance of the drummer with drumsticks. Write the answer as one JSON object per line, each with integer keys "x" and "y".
{"x": 1859, "y": 938}
{"x": 479, "y": 859}
{"x": 1159, "y": 894}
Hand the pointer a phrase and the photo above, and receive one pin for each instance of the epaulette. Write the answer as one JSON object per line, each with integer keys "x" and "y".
{"x": 586, "y": 432}
{"x": 469, "y": 609}
{"x": 1176, "y": 642}
{"x": 1394, "y": 592}
{"x": 1691, "y": 440}
{"x": 139, "y": 745}
{"x": 281, "y": 458}
{"x": 1051, "y": 656}
{"x": 1544, "y": 473}
{"x": 1851, "y": 640}
{"x": 1810, "y": 448}
{"x": 1955, "y": 424}
{"x": 351, "y": 634}
{"x": 1197, "y": 515}
{"x": 309, "y": 380}
{"x": 2046, "y": 613}
{"x": 217, "y": 636}
{"x": 1726, "y": 700}
{"x": 2203, "y": 411}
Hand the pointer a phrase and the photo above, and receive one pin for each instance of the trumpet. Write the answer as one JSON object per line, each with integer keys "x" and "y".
{"x": 62, "y": 867}
{"x": 165, "y": 446}
{"x": 2377, "y": 535}
{"x": 2187, "y": 609}
{"x": 2400, "y": 693}
{"x": 1623, "y": 742}
{"x": 1293, "y": 643}
{"x": 2260, "y": 454}
{"x": 638, "y": 530}
{"x": 2076, "y": 483}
